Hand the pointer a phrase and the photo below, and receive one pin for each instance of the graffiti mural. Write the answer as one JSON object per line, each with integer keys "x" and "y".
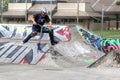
{"x": 102, "y": 44}
{"x": 14, "y": 31}
{"x": 11, "y": 53}
{"x": 61, "y": 33}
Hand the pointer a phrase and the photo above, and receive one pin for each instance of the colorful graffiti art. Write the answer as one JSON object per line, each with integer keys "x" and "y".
{"x": 61, "y": 33}
{"x": 102, "y": 44}
{"x": 11, "y": 53}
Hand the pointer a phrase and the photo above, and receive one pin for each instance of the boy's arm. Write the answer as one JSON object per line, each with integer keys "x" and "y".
{"x": 33, "y": 20}
{"x": 50, "y": 24}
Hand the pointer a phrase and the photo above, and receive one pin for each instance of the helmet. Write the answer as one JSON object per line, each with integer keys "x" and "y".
{"x": 44, "y": 11}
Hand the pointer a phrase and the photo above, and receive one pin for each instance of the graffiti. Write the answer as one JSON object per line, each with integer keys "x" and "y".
{"x": 102, "y": 44}
{"x": 110, "y": 44}
{"x": 61, "y": 33}
{"x": 11, "y": 53}
{"x": 64, "y": 32}
{"x": 14, "y": 31}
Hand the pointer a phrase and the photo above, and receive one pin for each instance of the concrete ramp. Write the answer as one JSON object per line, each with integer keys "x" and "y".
{"x": 77, "y": 52}
{"x": 74, "y": 53}
{"x": 111, "y": 59}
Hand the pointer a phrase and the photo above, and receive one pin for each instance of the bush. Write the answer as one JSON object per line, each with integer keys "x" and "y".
{"x": 118, "y": 3}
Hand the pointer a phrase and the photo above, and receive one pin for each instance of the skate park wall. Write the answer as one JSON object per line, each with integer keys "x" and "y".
{"x": 10, "y": 37}
{"x": 111, "y": 48}
{"x": 14, "y": 31}
{"x": 19, "y": 32}
{"x": 103, "y": 44}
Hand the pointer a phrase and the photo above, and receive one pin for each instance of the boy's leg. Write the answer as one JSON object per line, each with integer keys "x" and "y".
{"x": 53, "y": 42}
{"x": 29, "y": 36}
{"x": 32, "y": 34}
{"x": 51, "y": 35}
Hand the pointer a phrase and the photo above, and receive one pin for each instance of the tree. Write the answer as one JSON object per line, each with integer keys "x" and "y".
{"x": 118, "y": 3}
{"x": 4, "y": 5}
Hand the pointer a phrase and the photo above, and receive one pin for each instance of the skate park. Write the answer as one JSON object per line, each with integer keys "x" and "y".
{"x": 74, "y": 58}
{"x": 83, "y": 55}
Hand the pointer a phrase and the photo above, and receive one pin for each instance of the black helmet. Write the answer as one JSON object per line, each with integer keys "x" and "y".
{"x": 44, "y": 11}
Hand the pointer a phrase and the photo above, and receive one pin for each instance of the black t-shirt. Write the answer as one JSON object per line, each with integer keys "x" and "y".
{"x": 41, "y": 20}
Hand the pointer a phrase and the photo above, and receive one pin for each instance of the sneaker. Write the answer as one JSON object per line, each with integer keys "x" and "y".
{"x": 54, "y": 43}
{"x": 24, "y": 41}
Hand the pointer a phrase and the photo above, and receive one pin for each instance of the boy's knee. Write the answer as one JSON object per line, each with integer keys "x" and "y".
{"x": 51, "y": 31}
{"x": 33, "y": 34}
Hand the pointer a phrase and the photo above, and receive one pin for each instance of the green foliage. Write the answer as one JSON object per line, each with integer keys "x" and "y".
{"x": 108, "y": 33}
{"x": 4, "y": 5}
{"x": 118, "y": 3}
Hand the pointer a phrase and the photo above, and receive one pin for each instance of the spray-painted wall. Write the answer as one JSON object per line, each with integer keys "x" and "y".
{"x": 102, "y": 44}
{"x": 12, "y": 52}
{"x": 11, "y": 31}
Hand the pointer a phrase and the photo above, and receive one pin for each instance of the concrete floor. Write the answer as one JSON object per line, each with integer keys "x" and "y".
{"x": 37, "y": 72}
